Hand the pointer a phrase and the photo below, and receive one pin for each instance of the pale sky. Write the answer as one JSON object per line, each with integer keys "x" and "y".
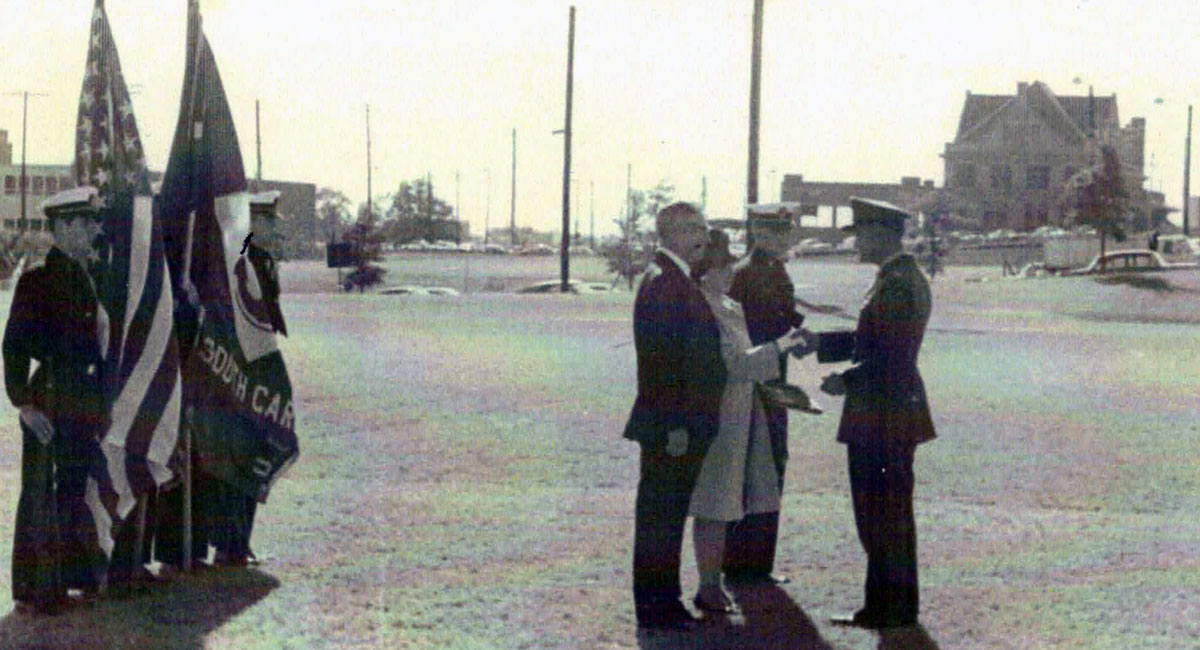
{"x": 852, "y": 90}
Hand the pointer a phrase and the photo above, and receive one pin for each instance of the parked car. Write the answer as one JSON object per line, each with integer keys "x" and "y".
{"x": 409, "y": 290}
{"x": 573, "y": 286}
{"x": 495, "y": 249}
{"x": 1179, "y": 248}
{"x": 1128, "y": 262}
{"x": 536, "y": 249}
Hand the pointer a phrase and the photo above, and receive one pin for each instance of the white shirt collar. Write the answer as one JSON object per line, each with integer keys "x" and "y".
{"x": 683, "y": 266}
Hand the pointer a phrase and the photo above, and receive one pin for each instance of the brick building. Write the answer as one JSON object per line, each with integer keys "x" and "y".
{"x": 1012, "y": 154}
{"x": 819, "y": 197}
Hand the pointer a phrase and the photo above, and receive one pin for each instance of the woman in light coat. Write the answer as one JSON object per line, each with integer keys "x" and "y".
{"x": 738, "y": 476}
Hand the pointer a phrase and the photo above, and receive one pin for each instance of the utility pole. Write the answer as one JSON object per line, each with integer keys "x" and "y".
{"x": 457, "y": 216}
{"x": 429, "y": 204}
{"x": 704, "y": 194}
{"x": 1187, "y": 171}
{"x": 755, "y": 88}
{"x": 512, "y": 215}
{"x": 257, "y": 149}
{"x": 565, "y": 248}
{"x": 592, "y": 237}
{"x": 629, "y": 217}
{"x": 487, "y": 215}
{"x": 24, "y": 180}
{"x": 370, "y": 208}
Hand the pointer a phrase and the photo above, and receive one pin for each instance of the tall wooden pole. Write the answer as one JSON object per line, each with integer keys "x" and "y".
{"x": 257, "y": 149}
{"x": 512, "y": 215}
{"x": 592, "y": 195}
{"x": 370, "y": 207}
{"x": 565, "y": 247}
{"x": 755, "y": 88}
{"x": 1187, "y": 171}
{"x": 24, "y": 179}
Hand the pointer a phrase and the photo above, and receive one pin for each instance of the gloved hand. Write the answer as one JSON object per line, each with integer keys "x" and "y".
{"x": 677, "y": 442}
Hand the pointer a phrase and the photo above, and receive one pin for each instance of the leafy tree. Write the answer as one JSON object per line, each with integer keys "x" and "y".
{"x": 411, "y": 210}
{"x": 367, "y": 238}
{"x": 1101, "y": 199}
{"x": 629, "y": 257}
{"x": 333, "y": 211}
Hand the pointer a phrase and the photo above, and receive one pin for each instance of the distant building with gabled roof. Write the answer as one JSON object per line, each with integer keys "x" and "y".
{"x": 1013, "y": 154}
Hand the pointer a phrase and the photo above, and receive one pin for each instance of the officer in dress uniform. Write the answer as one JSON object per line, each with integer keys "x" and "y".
{"x": 886, "y": 413}
{"x": 56, "y": 320}
{"x": 234, "y": 523}
{"x": 762, "y": 286}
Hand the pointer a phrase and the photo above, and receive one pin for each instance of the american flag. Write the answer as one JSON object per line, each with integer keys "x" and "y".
{"x": 141, "y": 370}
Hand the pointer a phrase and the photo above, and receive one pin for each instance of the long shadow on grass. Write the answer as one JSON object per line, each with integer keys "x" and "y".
{"x": 170, "y": 616}
{"x": 772, "y": 621}
{"x": 906, "y": 638}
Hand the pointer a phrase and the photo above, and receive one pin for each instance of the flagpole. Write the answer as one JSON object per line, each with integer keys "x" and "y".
{"x": 186, "y": 427}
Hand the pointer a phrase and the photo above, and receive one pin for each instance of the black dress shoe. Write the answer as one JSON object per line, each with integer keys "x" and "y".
{"x": 667, "y": 617}
{"x": 861, "y": 618}
{"x": 715, "y": 608}
{"x": 756, "y": 578}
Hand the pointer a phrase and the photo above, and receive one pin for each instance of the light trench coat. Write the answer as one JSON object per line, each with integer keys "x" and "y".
{"x": 738, "y": 476}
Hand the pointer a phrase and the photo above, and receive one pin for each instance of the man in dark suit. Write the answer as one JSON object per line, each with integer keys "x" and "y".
{"x": 675, "y": 416}
{"x": 762, "y": 286}
{"x": 886, "y": 414}
{"x": 56, "y": 320}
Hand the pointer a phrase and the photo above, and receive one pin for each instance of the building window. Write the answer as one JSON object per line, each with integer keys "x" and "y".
{"x": 10, "y": 184}
{"x": 35, "y": 224}
{"x": 1002, "y": 177}
{"x": 966, "y": 176}
{"x": 38, "y": 185}
{"x": 51, "y": 185}
{"x": 1037, "y": 178}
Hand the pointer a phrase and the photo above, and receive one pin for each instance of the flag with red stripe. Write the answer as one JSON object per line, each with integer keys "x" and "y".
{"x": 141, "y": 368}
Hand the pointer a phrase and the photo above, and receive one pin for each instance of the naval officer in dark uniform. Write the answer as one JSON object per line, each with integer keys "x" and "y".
{"x": 56, "y": 320}
{"x": 886, "y": 413}
{"x": 765, "y": 291}
{"x": 233, "y": 522}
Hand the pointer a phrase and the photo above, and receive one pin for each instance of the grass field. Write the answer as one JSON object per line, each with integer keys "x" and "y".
{"x": 463, "y": 483}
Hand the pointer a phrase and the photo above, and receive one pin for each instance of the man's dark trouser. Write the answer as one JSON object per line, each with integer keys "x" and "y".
{"x": 37, "y": 546}
{"x": 881, "y": 483}
{"x": 750, "y": 543}
{"x": 168, "y": 525}
{"x": 235, "y": 523}
{"x": 664, "y": 494}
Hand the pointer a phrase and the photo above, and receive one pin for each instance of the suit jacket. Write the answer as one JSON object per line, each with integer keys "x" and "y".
{"x": 886, "y": 403}
{"x": 680, "y": 370}
{"x": 53, "y": 320}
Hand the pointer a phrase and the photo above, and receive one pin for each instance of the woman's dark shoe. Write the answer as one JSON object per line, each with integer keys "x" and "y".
{"x": 713, "y": 607}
